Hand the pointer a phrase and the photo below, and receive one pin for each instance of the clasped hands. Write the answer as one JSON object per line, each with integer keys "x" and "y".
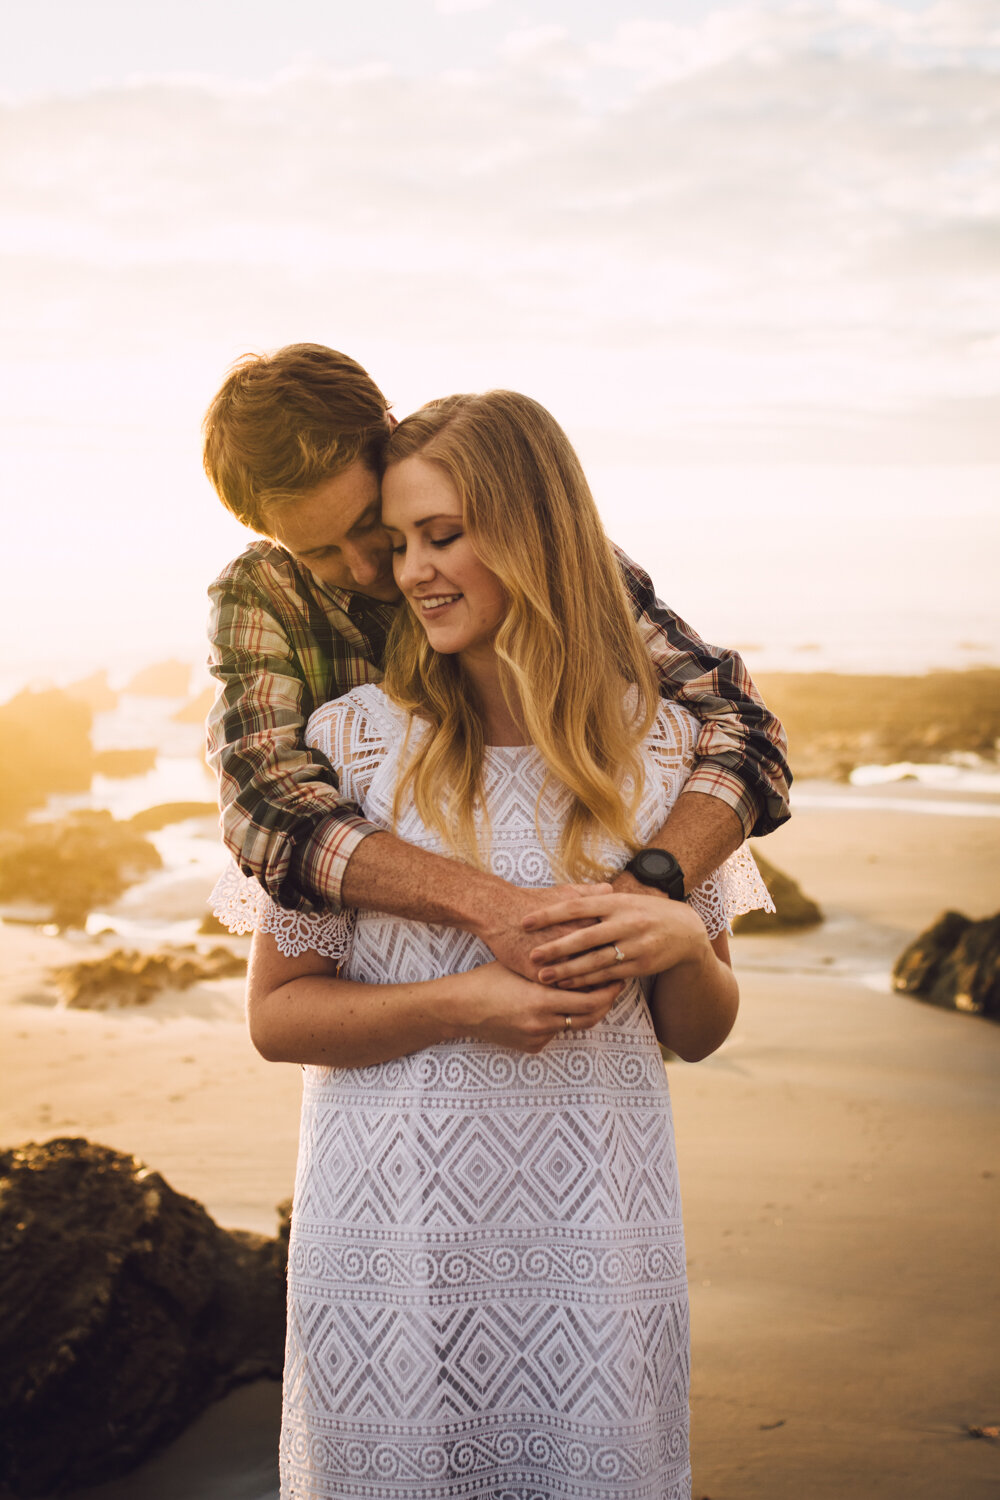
{"x": 571, "y": 936}
{"x": 558, "y": 968}
{"x": 616, "y": 935}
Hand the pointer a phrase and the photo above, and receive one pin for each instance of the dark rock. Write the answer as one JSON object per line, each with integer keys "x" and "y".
{"x": 955, "y": 964}
{"x": 127, "y": 1311}
{"x": 917, "y": 968}
{"x": 284, "y": 1212}
{"x": 792, "y": 907}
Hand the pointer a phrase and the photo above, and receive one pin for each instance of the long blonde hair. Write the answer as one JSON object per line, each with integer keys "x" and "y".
{"x": 567, "y": 648}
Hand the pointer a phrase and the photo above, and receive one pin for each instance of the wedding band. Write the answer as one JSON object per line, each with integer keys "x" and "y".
{"x": 569, "y": 1024}
{"x": 619, "y": 955}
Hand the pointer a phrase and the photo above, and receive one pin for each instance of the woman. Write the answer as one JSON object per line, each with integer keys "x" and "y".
{"x": 486, "y": 1274}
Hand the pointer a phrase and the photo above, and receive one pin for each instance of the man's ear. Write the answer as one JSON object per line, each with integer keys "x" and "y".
{"x": 393, "y": 421}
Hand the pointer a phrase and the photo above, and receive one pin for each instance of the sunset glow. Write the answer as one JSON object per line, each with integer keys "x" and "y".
{"x": 753, "y": 237}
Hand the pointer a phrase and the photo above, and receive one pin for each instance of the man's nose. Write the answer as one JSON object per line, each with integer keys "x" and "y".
{"x": 366, "y": 563}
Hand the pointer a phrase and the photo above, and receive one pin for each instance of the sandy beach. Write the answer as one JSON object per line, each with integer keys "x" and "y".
{"x": 839, "y": 1163}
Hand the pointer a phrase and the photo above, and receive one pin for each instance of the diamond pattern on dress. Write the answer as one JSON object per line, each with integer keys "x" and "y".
{"x": 486, "y": 1279}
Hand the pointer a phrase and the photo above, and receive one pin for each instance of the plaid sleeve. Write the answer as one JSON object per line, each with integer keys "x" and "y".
{"x": 283, "y": 817}
{"x": 741, "y": 749}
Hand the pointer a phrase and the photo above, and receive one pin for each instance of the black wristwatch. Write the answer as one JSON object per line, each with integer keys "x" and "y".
{"x": 659, "y": 869}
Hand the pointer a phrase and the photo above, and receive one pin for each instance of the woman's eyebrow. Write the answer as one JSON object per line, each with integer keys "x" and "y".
{"x": 424, "y": 521}
{"x": 441, "y": 515}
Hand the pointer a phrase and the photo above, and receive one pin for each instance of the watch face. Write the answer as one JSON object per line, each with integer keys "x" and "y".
{"x": 657, "y": 864}
{"x": 657, "y": 868}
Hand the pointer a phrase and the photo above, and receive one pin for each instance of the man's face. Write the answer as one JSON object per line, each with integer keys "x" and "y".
{"x": 336, "y": 531}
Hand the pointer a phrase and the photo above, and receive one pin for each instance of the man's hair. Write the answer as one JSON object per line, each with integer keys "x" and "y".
{"x": 283, "y": 423}
{"x": 568, "y": 648}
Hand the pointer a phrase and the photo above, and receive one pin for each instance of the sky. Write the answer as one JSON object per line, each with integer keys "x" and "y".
{"x": 749, "y": 255}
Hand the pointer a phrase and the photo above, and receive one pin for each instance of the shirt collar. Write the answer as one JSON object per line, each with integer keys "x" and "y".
{"x": 356, "y": 606}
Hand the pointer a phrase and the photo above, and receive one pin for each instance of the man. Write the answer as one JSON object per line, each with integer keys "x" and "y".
{"x": 292, "y": 443}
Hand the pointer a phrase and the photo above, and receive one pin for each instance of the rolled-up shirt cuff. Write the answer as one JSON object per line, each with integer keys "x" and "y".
{"x": 716, "y": 781}
{"x": 316, "y": 870}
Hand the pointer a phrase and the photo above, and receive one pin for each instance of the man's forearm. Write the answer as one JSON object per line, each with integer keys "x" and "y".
{"x": 701, "y": 832}
{"x": 384, "y": 873}
{"x": 387, "y": 874}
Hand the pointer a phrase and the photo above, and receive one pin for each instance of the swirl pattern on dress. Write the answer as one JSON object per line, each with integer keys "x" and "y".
{"x": 486, "y": 1275}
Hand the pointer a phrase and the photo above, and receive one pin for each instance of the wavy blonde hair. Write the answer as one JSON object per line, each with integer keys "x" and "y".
{"x": 568, "y": 647}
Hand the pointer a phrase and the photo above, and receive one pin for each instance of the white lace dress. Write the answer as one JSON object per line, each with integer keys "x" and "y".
{"x": 486, "y": 1282}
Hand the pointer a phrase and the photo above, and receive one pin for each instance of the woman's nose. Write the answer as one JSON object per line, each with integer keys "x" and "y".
{"x": 415, "y": 565}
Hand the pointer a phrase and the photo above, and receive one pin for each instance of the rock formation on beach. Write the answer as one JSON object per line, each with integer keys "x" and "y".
{"x": 124, "y": 978}
{"x": 152, "y": 819}
{"x": 68, "y": 868}
{"x": 124, "y": 763}
{"x": 44, "y": 748}
{"x": 792, "y": 908}
{"x": 127, "y": 1310}
{"x": 955, "y": 964}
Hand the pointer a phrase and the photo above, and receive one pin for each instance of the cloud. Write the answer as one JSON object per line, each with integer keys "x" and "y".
{"x": 779, "y": 209}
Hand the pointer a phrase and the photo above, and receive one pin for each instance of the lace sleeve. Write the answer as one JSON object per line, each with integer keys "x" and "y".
{"x": 243, "y": 906}
{"x": 735, "y": 887}
{"x": 353, "y": 733}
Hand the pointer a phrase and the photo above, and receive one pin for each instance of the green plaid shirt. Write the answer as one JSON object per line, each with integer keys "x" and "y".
{"x": 282, "y": 643}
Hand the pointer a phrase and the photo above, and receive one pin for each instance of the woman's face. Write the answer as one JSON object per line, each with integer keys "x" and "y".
{"x": 452, "y": 592}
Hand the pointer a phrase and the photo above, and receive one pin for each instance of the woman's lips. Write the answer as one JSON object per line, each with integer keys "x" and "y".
{"x": 433, "y": 604}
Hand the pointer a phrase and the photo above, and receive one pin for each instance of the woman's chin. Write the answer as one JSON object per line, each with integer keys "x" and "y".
{"x": 442, "y": 643}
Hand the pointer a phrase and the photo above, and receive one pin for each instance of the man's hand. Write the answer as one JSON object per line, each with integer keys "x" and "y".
{"x": 507, "y": 933}
{"x": 652, "y": 933}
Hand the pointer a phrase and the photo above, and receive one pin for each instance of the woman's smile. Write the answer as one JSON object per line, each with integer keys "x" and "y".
{"x": 435, "y": 604}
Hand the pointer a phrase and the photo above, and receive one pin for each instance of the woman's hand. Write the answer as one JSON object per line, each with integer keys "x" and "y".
{"x": 498, "y": 1006}
{"x": 300, "y": 1011}
{"x": 652, "y": 933}
{"x": 695, "y": 997}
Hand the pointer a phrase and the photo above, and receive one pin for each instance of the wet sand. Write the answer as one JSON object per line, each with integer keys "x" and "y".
{"x": 840, "y": 1164}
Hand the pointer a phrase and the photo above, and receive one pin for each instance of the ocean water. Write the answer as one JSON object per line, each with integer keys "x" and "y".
{"x": 859, "y": 639}
{"x": 168, "y": 906}
{"x": 962, "y": 786}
